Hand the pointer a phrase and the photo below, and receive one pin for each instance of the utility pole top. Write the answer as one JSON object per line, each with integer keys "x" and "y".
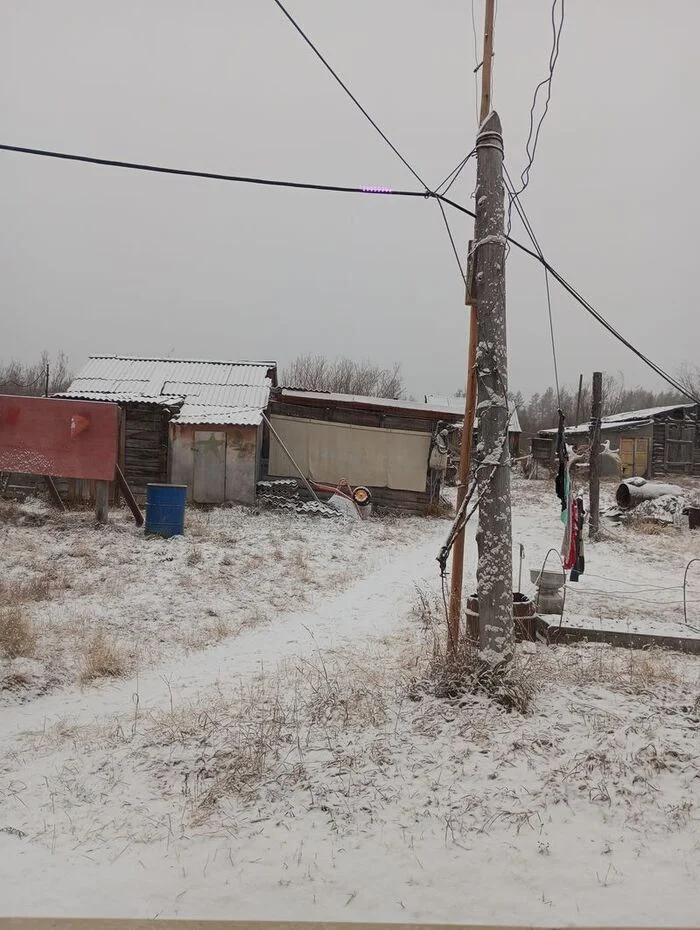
{"x": 487, "y": 64}
{"x": 490, "y": 123}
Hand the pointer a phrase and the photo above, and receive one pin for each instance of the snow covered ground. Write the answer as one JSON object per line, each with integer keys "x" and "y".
{"x": 275, "y": 749}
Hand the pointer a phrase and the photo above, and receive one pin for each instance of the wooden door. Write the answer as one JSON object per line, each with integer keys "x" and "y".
{"x": 634, "y": 457}
{"x": 209, "y": 484}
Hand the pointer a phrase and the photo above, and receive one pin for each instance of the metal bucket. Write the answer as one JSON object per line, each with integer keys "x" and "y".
{"x": 165, "y": 509}
{"x": 523, "y": 617}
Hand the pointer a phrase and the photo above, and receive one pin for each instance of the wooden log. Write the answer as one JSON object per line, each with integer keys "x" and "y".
{"x": 129, "y": 497}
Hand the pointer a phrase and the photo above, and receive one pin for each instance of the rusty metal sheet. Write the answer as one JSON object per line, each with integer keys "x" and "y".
{"x": 63, "y": 438}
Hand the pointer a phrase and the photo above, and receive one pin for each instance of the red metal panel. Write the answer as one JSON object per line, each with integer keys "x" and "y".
{"x": 63, "y": 438}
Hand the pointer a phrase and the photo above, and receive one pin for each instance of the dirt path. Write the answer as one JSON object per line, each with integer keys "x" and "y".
{"x": 372, "y": 607}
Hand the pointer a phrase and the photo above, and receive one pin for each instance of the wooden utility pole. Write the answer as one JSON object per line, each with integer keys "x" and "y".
{"x": 594, "y": 456}
{"x": 578, "y": 399}
{"x": 455, "y": 608}
{"x": 494, "y": 537}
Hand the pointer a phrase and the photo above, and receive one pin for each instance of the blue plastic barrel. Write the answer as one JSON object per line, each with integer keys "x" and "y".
{"x": 165, "y": 509}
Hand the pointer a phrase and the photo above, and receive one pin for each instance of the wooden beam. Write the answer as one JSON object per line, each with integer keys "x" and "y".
{"x": 102, "y": 501}
{"x": 53, "y": 493}
{"x": 129, "y": 497}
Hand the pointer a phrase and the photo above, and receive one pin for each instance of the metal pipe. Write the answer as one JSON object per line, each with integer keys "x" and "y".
{"x": 291, "y": 459}
{"x": 628, "y": 495}
{"x": 685, "y": 583}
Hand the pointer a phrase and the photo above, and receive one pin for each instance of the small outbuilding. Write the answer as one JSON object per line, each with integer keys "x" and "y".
{"x": 184, "y": 421}
{"x": 650, "y": 443}
{"x": 391, "y": 446}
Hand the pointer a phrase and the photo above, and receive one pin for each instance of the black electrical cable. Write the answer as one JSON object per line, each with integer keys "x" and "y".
{"x": 515, "y": 198}
{"x": 384, "y": 191}
{"x": 454, "y": 174}
{"x": 241, "y": 179}
{"x": 589, "y": 308}
{"x": 452, "y": 242}
{"x": 349, "y": 92}
{"x": 534, "y": 133}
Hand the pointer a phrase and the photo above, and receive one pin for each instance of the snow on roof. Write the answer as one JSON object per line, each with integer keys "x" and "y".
{"x": 647, "y": 414}
{"x": 457, "y": 403}
{"x": 120, "y": 397}
{"x": 218, "y": 416}
{"x": 622, "y": 421}
{"x": 220, "y": 390}
{"x": 361, "y": 400}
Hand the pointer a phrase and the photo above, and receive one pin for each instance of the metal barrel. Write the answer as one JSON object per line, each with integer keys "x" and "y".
{"x": 165, "y": 509}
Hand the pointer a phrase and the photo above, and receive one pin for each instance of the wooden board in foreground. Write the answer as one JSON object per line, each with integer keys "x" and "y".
{"x": 70, "y": 923}
{"x": 680, "y": 639}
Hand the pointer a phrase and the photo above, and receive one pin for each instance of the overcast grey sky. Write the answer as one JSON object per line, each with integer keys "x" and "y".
{"x": 98, "y": 260}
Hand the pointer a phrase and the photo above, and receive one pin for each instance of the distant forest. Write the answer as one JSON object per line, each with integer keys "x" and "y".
{"x": 540, "y": 411}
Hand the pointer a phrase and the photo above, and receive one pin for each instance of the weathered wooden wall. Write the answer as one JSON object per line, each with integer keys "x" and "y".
{"x": 145, "y": 445}
{"x": 411, "y": 501}
{"x": 676, "y": 445}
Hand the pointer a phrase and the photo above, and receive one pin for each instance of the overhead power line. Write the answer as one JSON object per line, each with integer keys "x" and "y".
{"x": 384, "y": 191}
{"x": 212, "y": 176}
{"x": 347, "y": 90}
{"x": 588, "y": 307}
{"x": 515, "y": 199}
{"x": 534, "y": 133}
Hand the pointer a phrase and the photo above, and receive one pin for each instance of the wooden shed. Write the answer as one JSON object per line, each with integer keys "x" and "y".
{"x": 378, "y": 442}
{"x": 651, "y": 443}
{"x": 175, "y": 415}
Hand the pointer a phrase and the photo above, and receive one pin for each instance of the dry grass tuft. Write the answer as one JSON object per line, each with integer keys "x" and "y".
{"x": 512, "y": 685}
{"x": 37, "y": 588}
{"x": 208, "y": 634}
{"x": 102, "y": 659}
{"x": 17, "y": 634}
{"x": 652, "y": 527}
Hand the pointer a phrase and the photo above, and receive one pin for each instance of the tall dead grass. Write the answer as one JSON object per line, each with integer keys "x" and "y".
{"x": 18, "y": 637}
{"x": 102, "y": 659}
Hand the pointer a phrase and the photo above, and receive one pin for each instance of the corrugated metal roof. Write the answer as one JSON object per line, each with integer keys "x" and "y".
{"x": 221, "y": 395}
{"x": 120, "y": 397}
{"x": 156, "y": 371}
{"x": 199, "y": 414}
{"x": 362, "y": 401}
{"x": 647, "y": 414}
{"x": 633, "y": 419}
{"x": 214, "y": 392}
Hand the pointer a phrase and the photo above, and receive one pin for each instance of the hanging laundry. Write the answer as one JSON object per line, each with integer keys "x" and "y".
{"x": 579, "y": 565}
{"x": 561, "y": 482}
{"x": 570, "y": 541}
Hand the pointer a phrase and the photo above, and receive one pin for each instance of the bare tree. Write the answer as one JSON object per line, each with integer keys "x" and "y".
{"x": 343, "y": 376}
{"x": 689, "y": 376}
{"x": 29, "y": 379}
{"x": 541, "y": 411}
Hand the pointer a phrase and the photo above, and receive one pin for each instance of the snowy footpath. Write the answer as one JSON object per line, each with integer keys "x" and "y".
{"x": 293, "y": 772}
